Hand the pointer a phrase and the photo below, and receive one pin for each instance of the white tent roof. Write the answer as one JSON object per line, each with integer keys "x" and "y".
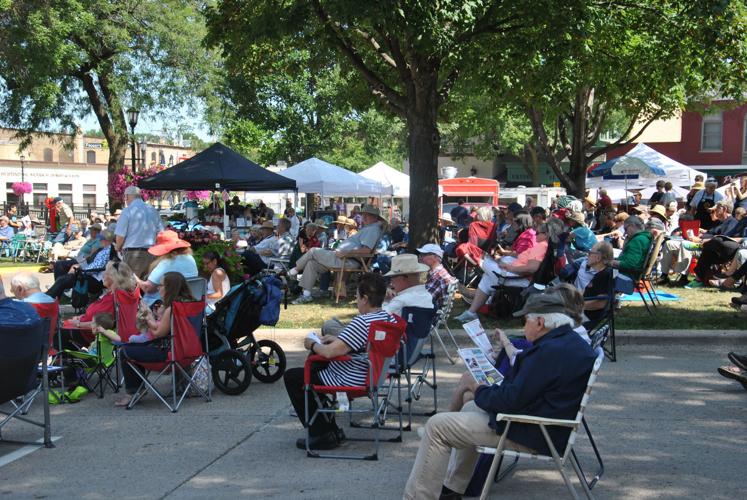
{"x": 399, "y": 182}
{"x": 677, "y": 173}
{"x": 318, "y": 176}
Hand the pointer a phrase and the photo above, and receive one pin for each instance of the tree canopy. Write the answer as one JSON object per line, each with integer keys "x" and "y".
{"x": 61, "y": 60}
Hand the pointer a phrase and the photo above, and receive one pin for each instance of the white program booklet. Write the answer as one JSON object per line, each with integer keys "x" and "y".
{"x": 480, "y": 337}
{"x": 478, "y": 365}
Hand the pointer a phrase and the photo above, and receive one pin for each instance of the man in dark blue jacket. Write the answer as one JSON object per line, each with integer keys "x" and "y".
{"x": 547, "y": 380}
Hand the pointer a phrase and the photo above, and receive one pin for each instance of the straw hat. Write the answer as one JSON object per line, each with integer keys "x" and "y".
{"x": 267, "y": 225}
{"x": 351, "y": 223}
{"x": 342, "y": 220}
{"x": 166, "y": 241}
{"x": 371, "y": 210}
{"x": 660, "y": 211}
{"x": 406, "y": 263}
{"x": 590, "y": 201}
{"x": 577, "y": 217}
{"x": 320, "y": 224}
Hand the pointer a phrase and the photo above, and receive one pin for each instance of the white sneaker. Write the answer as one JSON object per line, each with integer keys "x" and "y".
{"x": 466, "y": 316}
{"x": 292, "y": 272}
{"x": 303, "y": 299}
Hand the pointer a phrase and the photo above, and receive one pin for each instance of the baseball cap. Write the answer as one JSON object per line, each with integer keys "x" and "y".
{"x": 431, "y": 248}
{"x": 543, "y": 303}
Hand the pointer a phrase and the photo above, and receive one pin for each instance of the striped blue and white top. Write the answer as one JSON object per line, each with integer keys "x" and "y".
{"x": 355, "y": 335}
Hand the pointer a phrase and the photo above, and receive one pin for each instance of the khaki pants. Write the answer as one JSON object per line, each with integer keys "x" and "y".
{"x": 675, "y": 257}
{"x": 318, "y": 261}
{"x": 332, "y": 327}
{"x": 139, "y": 261}
{"x": 447, "y": 454}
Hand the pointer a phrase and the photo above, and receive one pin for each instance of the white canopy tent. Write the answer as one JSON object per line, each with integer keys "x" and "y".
{"x": 318, "y": 176}
{"x": 396, "y": 180}
{"x": 675, "y": 172}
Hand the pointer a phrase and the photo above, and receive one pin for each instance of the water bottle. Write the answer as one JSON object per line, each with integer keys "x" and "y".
{"x": 343, "y": 404}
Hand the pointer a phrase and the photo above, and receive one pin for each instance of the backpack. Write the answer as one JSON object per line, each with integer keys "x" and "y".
{"x": 270, "y": 301}
{"x": 506, "y": 301}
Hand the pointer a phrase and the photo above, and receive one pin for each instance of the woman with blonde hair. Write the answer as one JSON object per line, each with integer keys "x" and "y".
{"x": 117, "y": 276}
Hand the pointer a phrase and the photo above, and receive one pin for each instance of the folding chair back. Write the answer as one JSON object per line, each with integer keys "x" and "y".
{"x": 585, "y": 399}
{"x": 442, "y": 320}
{"x": 186, "y": 324}
{"x": 653, "y": 256}
{"x": 384, "y": 339}
{"x": 419, "y": 323}
{"x": 198, "y": 287}
{"x": 693, "y": 225}
{"x": 125, "y": 306}
{"x": 52, "y": 312}
{"x": 20, "y": 352}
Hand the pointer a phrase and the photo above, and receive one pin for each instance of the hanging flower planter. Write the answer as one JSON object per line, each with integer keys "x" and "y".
{"x": 21, "y": 188}
{"x": 198, "y": 195}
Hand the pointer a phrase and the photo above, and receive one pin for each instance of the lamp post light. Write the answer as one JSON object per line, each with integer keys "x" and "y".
{"x": 132, "y": 116}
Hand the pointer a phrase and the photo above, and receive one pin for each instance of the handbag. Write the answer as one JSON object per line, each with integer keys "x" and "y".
{"x": 200, "y": 370}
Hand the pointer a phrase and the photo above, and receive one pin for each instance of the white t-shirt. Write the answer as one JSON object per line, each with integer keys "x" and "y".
{"x": 415, "y": 296}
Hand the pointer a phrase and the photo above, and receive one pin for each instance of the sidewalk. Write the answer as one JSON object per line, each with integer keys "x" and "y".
{"x": 667, "y": 424}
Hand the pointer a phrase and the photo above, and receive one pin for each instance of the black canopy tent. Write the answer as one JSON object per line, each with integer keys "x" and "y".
{"x": 218, "y": 168}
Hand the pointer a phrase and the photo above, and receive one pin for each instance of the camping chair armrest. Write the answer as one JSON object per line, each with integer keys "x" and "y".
{"x": 317, "y": 359}
{"x": 530, "y": 419}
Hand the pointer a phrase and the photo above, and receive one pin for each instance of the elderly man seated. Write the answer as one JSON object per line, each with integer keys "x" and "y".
{"x": 547, "y": 380}
{"x": 26, "y": 287}
{"x": 406, "y": 284}
{"x": 636, "y": 247}
{"x": 15, "y": 312}
{"x": 270, "y": 246}
{"x": 439, "y": 279}
{"x": 70, "y": 248}
{"x": 61, "y": 267}
{"x": 95, "y": 264}
{"x": 318, "y": 261}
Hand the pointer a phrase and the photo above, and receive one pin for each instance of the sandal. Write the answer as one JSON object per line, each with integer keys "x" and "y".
{"x": 123, "y": 401}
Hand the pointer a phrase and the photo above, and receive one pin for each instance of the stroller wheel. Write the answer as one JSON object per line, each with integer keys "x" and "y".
{"x": 232, "y": 373}
{"x": 268, "y": 361}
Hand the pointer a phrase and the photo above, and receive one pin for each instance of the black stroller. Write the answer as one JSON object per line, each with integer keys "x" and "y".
{"x": 232, "y": 347}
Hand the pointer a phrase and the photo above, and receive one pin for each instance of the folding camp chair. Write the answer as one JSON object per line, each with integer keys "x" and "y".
{"x": 97, "y": 364}
{"x": 383, "y": 344}
{"x": 363, "y": 260}
{"x": 185, "y": 348}
{"x": 23, "y": 349}
{"x": 560, "y": 461}
{"x": 647, "y": 277}
{"x": 442, "y": 320}
{"x": 420, "y": 322}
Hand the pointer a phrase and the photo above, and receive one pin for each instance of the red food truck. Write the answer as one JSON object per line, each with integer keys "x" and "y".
{"x": 475, "y": 191}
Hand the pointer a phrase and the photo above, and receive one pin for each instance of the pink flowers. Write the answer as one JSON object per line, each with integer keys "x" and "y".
{"x": 21, "y": 188}
{"x": 198, "y": 195}
{"x": 119, "y": 181}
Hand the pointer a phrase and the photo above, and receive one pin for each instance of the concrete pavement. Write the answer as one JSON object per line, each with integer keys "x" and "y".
{"x": 667, "y": 424}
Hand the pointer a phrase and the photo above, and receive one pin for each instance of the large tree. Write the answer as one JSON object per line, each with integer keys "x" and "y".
{"x": 408, "y": 54}
{"x": 62, "y": 60}
{"x": 642, "y": 60}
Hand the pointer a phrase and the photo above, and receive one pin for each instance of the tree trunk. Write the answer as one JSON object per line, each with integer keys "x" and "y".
{"x": 424, "y": 143}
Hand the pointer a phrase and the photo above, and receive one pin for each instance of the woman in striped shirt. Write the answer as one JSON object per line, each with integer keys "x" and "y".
{"x": 323, "y": 432}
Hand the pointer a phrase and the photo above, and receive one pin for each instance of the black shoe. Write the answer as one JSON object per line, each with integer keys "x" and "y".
{"x": 326, "y": 441}
{"x": 740, "y": 301}
{"x": 734, "y": 373}
{"x": 663, "y": 280}
{"x": 682, "y": 281}
{"x": 738, "y": 360}
{"x": 340, "y": 435}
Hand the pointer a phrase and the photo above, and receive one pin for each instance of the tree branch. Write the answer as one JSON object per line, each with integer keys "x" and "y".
{"x": 620, "y": 141}
{"x": 393, "y": 98}
{"x": 377, "y": 47}
{"x": 536, "y": 119}
{"x": 99, "y": 108}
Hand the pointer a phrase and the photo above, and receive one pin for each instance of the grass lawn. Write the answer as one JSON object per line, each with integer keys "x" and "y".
{"x": 8, "y": 266}
{"x": 699, "y": 309}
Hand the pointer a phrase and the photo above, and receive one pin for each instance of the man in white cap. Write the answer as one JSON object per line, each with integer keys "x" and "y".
{"x": 136, "y": 231}
{"x": 439, "y": 278}
{"x": 318, "y": 260}
{"x": 406, "y": 275}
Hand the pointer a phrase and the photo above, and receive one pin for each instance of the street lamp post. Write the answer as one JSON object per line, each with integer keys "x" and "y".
{"x": 132, "y": 116}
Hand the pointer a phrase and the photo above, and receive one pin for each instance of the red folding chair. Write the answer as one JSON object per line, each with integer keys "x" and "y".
{"x": 186, "y": 347}
{"x": 383, "y": 344}
{"x": 125, "y": 307}
{"x": 50, "y": 310}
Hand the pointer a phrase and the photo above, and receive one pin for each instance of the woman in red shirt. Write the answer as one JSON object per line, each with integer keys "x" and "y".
{"x": 117, "y": 276}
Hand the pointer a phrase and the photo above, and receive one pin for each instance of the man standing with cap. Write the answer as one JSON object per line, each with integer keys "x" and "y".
{"x": 136, "y": 232}
{"x": 66, "y": 218}
{"x": 546, "y": 380}
{"x": 703, "y": 201}
{"x": 317, "y": 260}
{"x": 439, "y": 278}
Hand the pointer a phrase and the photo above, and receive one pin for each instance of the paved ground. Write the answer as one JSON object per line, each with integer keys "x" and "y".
{"x": 667, "y": 424}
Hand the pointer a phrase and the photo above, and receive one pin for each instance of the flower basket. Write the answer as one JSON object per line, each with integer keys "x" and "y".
{"x": 21, "y": 188}
{"x": 198, "y": 195}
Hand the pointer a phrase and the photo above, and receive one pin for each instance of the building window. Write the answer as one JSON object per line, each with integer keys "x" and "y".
{"x": 40, "y": 193}
{"x": 161, "y": 158}
{"x": 171, "y": 160}
{"x": 89, "y": 199}
{"x": 10, "y": 195}
{"x": 48, "y": 154}
{"x": 66, "y": 187}
{"x": 153, "y": 157}
{"x": 89, "y": 188}
{"x": 712, "y": 131}
{"x": 90, "y": 156}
